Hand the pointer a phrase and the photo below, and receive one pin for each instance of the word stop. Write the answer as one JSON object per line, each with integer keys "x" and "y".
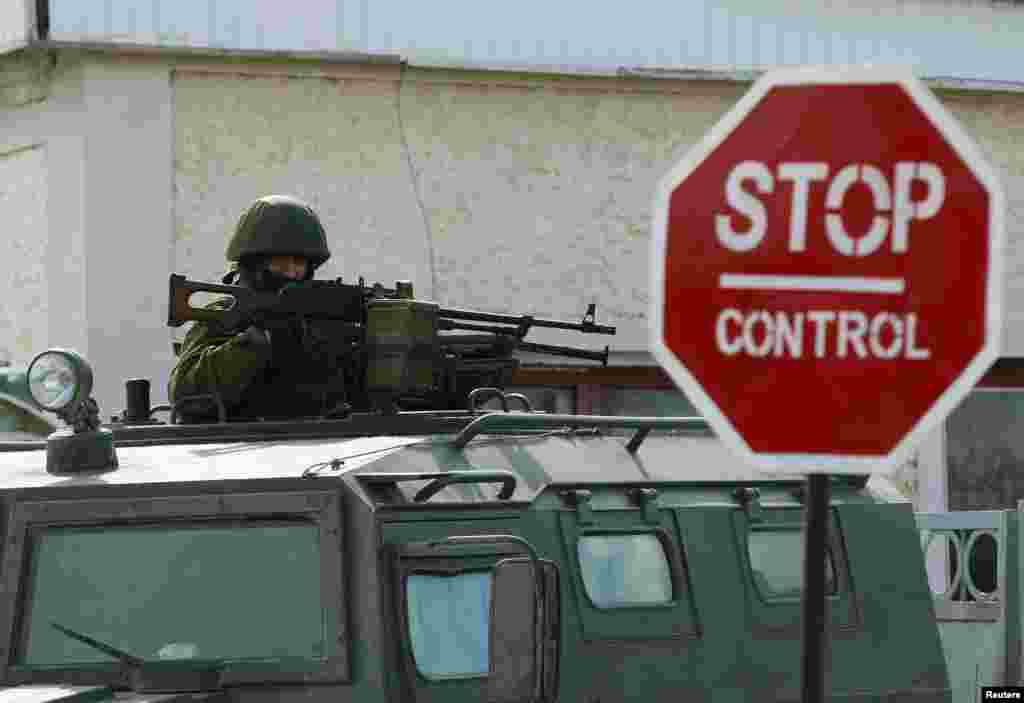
{"x": 894, "y": 208}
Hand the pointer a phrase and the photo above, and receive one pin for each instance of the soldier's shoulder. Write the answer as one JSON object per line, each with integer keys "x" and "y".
{"x": 203, "y": 331}
{"x": 217, "y": 327}
{"x": 219, "y": 304}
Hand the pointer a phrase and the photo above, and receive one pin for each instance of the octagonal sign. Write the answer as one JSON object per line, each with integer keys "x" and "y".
{"x": 826, "y": 270}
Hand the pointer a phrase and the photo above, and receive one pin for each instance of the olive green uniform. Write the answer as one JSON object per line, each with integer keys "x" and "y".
{"x": 295, "y": 374}
{"x": 290, "y": 378}
{"x": 218, "y": 361}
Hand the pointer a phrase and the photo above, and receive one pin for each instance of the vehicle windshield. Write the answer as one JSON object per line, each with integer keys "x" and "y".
{"x": 234, "y": 591}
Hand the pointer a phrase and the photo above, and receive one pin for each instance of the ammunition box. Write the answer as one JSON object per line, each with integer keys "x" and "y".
{"x": 402, "y": 348}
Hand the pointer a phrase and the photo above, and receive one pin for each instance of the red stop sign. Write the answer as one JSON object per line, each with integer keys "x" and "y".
{"x": 827, "y": 270}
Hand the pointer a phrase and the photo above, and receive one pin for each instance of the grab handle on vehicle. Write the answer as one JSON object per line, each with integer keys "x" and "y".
{"x": 441, "y": 480}
{"x": 506, "y": 478}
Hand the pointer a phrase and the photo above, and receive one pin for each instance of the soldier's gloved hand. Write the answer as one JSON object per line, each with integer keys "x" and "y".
{"x": 254, "y": 336}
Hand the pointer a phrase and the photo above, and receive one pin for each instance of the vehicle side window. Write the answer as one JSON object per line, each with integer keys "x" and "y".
{"x": 777, "y": 562}
{"x": 630, "y": 578}
{"x": 625, "y": 570}
{"x": 449, "y": 616}
{"x": 772, "y": 552}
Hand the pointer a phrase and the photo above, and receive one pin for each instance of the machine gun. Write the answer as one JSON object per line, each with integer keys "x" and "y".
{"x": 321, "y": 300}
{"x": 399, "y": 350}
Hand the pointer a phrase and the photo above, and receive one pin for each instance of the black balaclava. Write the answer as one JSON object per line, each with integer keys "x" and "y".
{"x": 252, "y": 272}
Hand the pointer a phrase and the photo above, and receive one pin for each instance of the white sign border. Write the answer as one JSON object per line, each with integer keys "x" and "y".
{"x": 973, "y": 157}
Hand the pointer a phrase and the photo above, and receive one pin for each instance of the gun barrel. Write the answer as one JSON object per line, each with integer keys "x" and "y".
{"x": 478, "y": 341}
{"x": 570, "y": 352}
{"x": 523, "y": 320}
{"x": 510, "y": 343}
{"x": 446, "y": 324}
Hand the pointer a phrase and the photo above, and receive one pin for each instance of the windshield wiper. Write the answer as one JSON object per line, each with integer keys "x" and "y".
{"x": 110, "y": 650}
{"x": 155, "y": 676}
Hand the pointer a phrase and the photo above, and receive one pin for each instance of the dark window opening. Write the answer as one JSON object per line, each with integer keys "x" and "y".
{"x": 777, "y": 564}
{"x": 771, "y": 550}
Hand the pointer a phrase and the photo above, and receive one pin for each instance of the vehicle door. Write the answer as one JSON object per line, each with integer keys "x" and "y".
{"x": 464, "y": 618}
{"x": 631, "y": 595}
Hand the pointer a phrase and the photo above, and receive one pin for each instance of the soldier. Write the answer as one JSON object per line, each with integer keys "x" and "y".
{"x": 270, "y": 369}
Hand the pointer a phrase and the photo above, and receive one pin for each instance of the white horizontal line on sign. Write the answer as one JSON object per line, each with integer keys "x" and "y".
{"x": 843, "y": 284}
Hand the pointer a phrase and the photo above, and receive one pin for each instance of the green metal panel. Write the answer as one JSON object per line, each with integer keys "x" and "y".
{"x": 721, "y": 654}
{"x": 899, "y": 637}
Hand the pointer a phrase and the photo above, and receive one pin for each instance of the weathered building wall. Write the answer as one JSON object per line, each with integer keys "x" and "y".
{"x": 535, "y": 193}
{"x": 86, "y": 218}
{"x": 505, "y": 194}
{"x": 42, "y": 269}
{"x": 540, "y": 195}
{"x": 15, "y": 16}
{"x": 331, "y": 140}
{"x": 23, "y": 220}
{"x": 127, "y": 220}
{"x": 996, "y": 121}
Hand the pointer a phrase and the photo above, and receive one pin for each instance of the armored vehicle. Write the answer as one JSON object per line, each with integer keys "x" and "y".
{"x": 506, "y": 556}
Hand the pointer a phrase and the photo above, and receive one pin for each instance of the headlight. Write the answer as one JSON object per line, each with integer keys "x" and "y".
{"x": 57, "y": 378}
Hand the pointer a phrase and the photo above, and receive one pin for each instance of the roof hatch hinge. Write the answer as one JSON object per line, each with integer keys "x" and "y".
{"x": 580, "y": 499}
{"x": 750, "y": 499}
{"x": 648, "y": 500}
{"x": 638, "y": 437}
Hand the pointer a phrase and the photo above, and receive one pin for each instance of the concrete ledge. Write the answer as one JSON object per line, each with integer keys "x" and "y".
{"x": 524, "y": 70}
{"x": 221, "y": 54}
{"x": 957, "y": 611}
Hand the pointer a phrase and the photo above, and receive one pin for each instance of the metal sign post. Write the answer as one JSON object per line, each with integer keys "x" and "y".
{"x": 815, "y": 636}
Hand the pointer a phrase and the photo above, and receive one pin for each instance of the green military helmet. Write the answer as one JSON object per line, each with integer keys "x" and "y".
{"x": 279, "y": 225}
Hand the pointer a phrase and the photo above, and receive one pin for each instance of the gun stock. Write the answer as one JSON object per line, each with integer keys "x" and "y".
{"x": 180, "y": 309}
